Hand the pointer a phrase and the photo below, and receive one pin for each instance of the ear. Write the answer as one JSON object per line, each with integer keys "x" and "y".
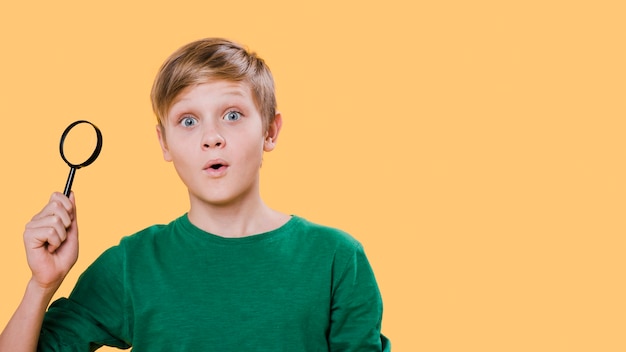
{"x": 163, "y": 143}
{"x": 271, "y": 136}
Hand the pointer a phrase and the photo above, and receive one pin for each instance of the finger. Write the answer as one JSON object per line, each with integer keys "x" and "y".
{"x": 61, "y": 201}
{"x": 42, "y": 237}
{"x": 58, "y": 205}
{"x": 53, "y": 241}
{"x": 56, "y": 216}
{"x": 49, "y": 226}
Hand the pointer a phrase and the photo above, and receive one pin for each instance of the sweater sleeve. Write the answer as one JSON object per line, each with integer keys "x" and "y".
{"x": 356, "y": 309}
{"x": 94, "y": 313}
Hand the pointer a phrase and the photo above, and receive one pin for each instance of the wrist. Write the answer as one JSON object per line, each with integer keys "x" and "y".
{"x": 38, "y": 292}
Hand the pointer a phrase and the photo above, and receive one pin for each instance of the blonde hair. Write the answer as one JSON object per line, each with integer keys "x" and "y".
{"x": 213, "y": 59}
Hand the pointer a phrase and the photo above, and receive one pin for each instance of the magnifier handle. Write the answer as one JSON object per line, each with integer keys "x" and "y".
{"x": 68, "y": 184}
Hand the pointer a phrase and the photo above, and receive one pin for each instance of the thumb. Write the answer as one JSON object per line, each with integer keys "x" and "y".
{"x": 72, "y": 230}
{"x": 72, "y": 212}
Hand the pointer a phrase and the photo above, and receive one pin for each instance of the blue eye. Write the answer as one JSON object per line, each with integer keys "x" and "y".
{"x": 188, "y": 121}
{"x": 232, "y": 116}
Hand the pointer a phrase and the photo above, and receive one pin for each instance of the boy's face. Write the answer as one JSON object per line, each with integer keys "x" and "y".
{"x": 214, "y": 135}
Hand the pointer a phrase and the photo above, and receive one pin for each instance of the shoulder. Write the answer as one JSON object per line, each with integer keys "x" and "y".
{"x": 324, "y": 233}
{"x": 145, "y": 235}
{"x": 326, "y": 240}
{"x": 150, "y": 234}
{"x": 133, "y": 242}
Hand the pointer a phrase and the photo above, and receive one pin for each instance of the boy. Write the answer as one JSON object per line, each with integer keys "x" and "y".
{"x": 229, "y": 275}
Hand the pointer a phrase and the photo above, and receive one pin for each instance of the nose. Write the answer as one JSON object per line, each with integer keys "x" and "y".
{"x": 212, "y": 138}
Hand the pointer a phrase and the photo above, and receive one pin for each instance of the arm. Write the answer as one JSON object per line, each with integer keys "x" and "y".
{"x": 356, "y": 310}
{"x": 51, "y": 242}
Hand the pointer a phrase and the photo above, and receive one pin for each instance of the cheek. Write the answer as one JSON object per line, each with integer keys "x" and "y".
{"x": 182, "y": 155}
{"x": 251, "y": 154}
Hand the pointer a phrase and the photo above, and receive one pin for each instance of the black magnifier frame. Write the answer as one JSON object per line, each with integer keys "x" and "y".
{"x": 91, "y": 159}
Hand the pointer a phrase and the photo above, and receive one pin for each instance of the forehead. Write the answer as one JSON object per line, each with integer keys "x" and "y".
{"x": 214, "y": 91}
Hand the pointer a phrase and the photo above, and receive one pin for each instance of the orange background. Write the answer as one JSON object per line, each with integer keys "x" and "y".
{"x": 475, "y": 148}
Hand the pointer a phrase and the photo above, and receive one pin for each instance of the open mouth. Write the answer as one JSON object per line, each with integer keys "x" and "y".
{"x": 216, "y": 165}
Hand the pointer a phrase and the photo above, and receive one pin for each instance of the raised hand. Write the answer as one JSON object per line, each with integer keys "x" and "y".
{"x": 51, "y": 241}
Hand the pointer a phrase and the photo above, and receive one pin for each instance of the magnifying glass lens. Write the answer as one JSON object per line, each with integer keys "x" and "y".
{"x": 80, "y": 143}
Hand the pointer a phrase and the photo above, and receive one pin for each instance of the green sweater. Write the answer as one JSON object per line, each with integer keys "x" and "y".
{"x": 302, "y": 287}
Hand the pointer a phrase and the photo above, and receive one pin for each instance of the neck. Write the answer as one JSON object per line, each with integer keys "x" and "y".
{"x": 236, "y": 220}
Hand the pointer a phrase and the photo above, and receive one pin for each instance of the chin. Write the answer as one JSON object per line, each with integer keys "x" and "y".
{"x": 217, "y": 200}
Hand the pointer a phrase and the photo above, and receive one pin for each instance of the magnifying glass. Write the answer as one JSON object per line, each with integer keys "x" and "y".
{"x": 72, "y": 150}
